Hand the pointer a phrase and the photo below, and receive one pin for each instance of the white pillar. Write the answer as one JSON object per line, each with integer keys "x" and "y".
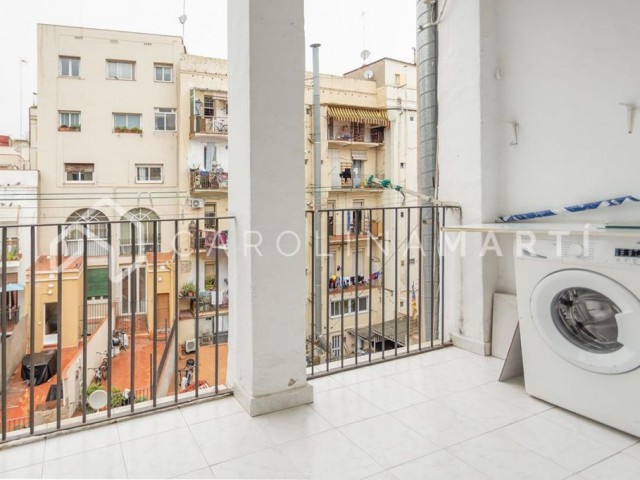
{"x": 267, "y": 368}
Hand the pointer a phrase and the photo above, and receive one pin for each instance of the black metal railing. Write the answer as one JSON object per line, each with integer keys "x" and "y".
{"x": 380, "y": 289}
{"x": 131, "y": 336}
{"x": 214, "y": 179}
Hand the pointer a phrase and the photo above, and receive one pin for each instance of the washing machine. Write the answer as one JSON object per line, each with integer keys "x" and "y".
{"x": 579, "y": 316}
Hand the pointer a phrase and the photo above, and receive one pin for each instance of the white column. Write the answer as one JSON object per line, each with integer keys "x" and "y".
{"x": 267, "y": 369}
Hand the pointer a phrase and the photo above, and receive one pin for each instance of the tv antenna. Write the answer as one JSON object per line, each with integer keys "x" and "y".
{"x": 183, "y": 18}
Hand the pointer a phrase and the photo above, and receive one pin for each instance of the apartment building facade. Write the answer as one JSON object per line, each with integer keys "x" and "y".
{"x": 107, "y": 150}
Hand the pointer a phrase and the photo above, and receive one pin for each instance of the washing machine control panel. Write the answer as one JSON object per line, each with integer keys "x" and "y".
{"x": 627, "y": 256}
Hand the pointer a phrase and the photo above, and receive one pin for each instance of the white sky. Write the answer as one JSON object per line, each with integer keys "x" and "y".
{"x": 389, "y": 31}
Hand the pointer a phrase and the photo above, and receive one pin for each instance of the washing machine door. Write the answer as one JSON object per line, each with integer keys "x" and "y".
{"x": 589, "y": 320}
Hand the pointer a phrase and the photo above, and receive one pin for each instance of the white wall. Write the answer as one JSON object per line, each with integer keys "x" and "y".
{"x": 563, "y": 70}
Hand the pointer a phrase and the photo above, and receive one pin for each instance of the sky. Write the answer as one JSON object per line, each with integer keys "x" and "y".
{"x": 387, "y": 29}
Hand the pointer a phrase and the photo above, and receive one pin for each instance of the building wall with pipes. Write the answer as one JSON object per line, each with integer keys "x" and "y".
{"x": 531, "y": 117}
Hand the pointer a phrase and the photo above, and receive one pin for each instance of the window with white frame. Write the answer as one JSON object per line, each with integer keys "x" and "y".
{"x": 69, "y": 66}
{"x": 126, "y": 121}
{"x": 69, "y": 120}
{"x": 149, "y": 174}
{"x": 120, "y": 70}
{"x": 336, "y": 345}
{"x": 163, "y": 72}
{"x": 78, "y": 172}
{"x": 166, "y": 119}
{"x": 348, "y": 306}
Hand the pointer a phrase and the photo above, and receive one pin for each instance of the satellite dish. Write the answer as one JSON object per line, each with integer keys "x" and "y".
{"x": 193, "y": 163}
{"x": 364, "y": 54}
{"x": 98, "y": 399}
{"x": 182, "y": 19}
{"x": 368, "y": 74}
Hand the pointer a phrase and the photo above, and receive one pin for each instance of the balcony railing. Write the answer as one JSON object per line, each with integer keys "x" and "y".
{"x": 376, "y": 301}
{"x": 95, "y": 247}
{"x": 211, "y": 125}
{"x": 216, "y": 179}
{"x": 126, "y": 249}
{"x": 140, "y": 350}
{"x": 378, "y": 295}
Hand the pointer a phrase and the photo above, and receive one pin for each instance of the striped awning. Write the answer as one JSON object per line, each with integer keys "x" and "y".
{"x": 370, "y": 116}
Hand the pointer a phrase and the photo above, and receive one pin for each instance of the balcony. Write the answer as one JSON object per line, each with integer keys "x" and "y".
{"x": 209, "y": 126}
{"x": 440, "y": 414}
{"x": 13, "y": 252}
{"x": 95, "y": 247}
{"x": 209, "y": 181}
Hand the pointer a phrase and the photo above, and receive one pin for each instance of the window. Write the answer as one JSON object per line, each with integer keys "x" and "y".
{"x": 163, "y": 73}
{"x": 125, "y": 122}
{"x": 336, "y": 344}
{"x": 87, "y": 220}
{"x": 209, "y": 215}
{"x": 149, "y": 173}
{"x": 133, "y": 286}
{"x": 69, "y": 66}
{"x": 69, "y": 121}
{"x": 78, "y": 172}
{"x": 166, "y": 119}
{"x": 143, "y": 220}
{"x": 348, "y": 306}
{"x": 119, "y": 70}
{"x": 209, "y": 110}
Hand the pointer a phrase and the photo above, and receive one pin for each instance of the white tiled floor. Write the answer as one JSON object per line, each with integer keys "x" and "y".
{"x": 436, "y": 415}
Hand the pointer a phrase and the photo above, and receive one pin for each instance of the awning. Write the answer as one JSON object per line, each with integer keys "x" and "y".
{"x": 358, "y": 155}
{"x": 370, "y": 116}
{"x": 13, "y": 287}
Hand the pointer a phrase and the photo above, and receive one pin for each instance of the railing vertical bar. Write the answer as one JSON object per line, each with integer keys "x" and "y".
{"x": 395, "y": 288}
{"x": 441, "y": 279}
{"x": 370, "y": 278}
{"x": 342, "y": 277}
{"x": 217, "y": 325}
{"x": 313, "y": 287}
{"x": 356, "y": 229}
{"x": 84, "y": 322}
{"x": 408, "y": 278}
{"x": 327, "y": 346}
{"x": 4, "y": 313}
{"x": 133, "y": 286}
{"x": 176, "y": 309}
{"x": 384, "y": 274}
{"x": 420, "y": 286}
{"x": 154, "y": 353}
{"x": 110, "y": 267}
{"x": 197, "y": 322}
{"x": 32, "y": 330}
{"x": 60, "y": 332}
{"x": 434, "y": 262}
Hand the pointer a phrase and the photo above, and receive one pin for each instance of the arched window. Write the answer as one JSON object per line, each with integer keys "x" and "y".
{"x": 97, "y": 244}
{"x": 142, "y": 220}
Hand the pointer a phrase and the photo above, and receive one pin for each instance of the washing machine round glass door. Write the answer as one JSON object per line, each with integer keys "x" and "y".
{"x": 589, "y": 320}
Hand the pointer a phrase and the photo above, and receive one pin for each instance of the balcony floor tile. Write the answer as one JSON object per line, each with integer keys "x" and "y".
{"x": 442, "y": 412}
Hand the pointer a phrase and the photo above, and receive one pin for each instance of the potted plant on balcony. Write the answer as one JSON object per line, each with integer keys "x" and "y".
{"x": 13, "y": 255}
{"x": 135, "y": 130}
{"x": 188, "y": 290}
{"x": 209, "y": 283}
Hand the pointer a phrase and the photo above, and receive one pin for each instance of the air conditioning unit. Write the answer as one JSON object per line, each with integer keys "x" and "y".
{"x": 190, "y": 346}
{"x": 197, "y": 203}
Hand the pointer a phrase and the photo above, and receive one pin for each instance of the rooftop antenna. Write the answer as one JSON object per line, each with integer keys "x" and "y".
{"x": 364, "y": 54}
{"x": 183, "y": 18}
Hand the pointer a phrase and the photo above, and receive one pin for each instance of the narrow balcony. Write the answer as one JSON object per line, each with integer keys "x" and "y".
{"x": 441, "y": 414}
{"x": 209, "y": 126}
{"x": 216, "y": 180}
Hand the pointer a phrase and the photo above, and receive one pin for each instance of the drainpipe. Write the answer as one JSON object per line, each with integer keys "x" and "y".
{"x": 317, "y": 192}
{"x": 427, "y": 44}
